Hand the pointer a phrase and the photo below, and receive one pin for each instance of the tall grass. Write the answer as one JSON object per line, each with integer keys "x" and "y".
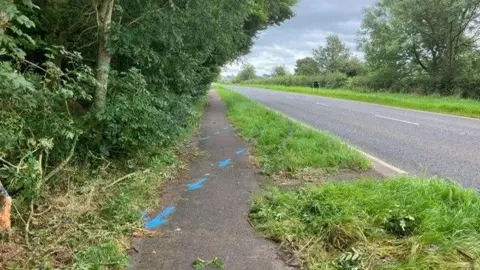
{"x": 404, "y": 223}
{"x": 449, "y": 105}
{"x": 284, "y": 145}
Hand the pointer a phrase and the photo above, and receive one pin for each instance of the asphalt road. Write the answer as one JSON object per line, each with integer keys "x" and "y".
{"x": 421, "y": 143}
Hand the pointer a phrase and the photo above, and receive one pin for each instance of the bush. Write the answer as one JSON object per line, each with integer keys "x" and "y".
{"x": 467, "y": 87}
{"x": 335, "y": 80}
{"x": 39, "y": 127}
{"x": 147, "y": 122}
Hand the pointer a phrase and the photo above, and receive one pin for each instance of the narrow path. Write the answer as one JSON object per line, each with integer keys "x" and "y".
{"x": 421, "y": 143}
{"x": 210, "y": 218}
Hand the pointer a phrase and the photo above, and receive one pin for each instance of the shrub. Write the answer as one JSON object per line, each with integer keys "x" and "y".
{"x": 336, "y": 80}
{"x": 328, "y": 80}
{"x": 146, "y": 122}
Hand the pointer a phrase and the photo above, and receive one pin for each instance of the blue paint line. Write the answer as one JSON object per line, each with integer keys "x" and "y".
{"x": 205, "y": 138}
{"x": 160, "y": 220}
{"x": 197, "y": 185}
{"x": 224, "y": 163}
{"x": 240, "y": 151}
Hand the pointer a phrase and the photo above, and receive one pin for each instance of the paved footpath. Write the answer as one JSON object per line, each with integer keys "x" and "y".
{"x": 209, "y": 219}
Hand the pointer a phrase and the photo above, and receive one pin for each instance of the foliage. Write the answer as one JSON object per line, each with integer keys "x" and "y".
{"x": 333, "y": 56}
{"x": 283, "y": 145}
{"x": 353, "y": 67}
{"x": 200, "y": 264}
{"x": 306, "y": 67}
{"x": 248, "y": 72}
{"x": 279, "y": 71}
{"x": 150, "y": 121}
{"x": 343, "y": 224}
{"x": 407, "y": 39}
{"x": 324, "y": 80}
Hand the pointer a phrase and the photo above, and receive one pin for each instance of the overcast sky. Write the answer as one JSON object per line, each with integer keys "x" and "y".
{"x": 296, "y": 38}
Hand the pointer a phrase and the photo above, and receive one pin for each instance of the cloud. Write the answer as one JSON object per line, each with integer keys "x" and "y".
{"x": 296, "y": 38}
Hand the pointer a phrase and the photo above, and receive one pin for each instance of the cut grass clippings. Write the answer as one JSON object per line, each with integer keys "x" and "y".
{"x": 282, "y": 145}
{"x": 403, "y": 223}
{"x": 448, "y": 105}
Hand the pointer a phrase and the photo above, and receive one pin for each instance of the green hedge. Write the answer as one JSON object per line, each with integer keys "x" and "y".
{"x": 327, "y": 80}
{"x": 465, "y": 87}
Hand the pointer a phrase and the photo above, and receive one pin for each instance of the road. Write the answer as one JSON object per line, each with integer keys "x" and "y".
{"x": 421, "y": 143}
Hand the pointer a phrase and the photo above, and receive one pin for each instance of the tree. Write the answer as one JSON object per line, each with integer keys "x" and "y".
{"x": 431, "y": 37}
{"x": 306, "y": 66}
{"x": 333, "y": 56}
{"x": 104, "y": 9}
{"x": 279, "y": 71}
{"x": 248, "y": 72}
{"x": 353, "y": 67}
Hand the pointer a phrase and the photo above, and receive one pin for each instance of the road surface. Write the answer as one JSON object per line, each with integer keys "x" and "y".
{"x": 421, "y": 143}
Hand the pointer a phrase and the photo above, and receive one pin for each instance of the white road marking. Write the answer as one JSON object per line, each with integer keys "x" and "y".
{"x": 322, "y": 104}
{"x": 290, "y": 97}
{"x": 398, "y": 120}
{"x": 380, "y": 163}
{"x": 380, "y": 166}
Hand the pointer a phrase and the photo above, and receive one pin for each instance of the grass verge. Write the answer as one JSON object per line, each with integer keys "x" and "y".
{"x": 283, "y": 145}
{"x": 403, "y": 223}
{"x": 448, "y": 105}
{"x": 85, "y": 221}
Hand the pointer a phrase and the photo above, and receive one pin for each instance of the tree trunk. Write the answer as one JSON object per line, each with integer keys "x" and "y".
{"x": 104, "y": 19}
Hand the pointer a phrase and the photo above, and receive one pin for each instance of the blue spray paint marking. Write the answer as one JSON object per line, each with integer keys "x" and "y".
{"x": 240, "y": 151}
{"x": 197, "y": 185}
{"x": 205, "y": 138}
{"x": 225, "y": 163}
{"x": 160, "y": 220}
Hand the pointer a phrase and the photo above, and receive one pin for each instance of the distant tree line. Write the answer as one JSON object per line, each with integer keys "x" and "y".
{"x": 409, "y": 46}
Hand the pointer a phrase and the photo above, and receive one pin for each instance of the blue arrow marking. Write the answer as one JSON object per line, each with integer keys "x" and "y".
{"x": 197, "y": 185}
{"x": 160, "y": 220}
{"x": 240, "y": 151}
{"x": 225, "y": 163}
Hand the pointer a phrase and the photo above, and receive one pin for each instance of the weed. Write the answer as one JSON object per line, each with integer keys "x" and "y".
{"x": 401, "y": 225}
{"x": 202, "y": 264}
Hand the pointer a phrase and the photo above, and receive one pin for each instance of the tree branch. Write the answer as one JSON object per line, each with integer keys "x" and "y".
{"x": 417, "y": 57}
{"x": 145, "y": 14}
{"x": 64, "y": 162}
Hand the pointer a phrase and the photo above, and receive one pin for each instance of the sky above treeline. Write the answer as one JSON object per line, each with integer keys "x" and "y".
{"x": 296, "y": 38}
